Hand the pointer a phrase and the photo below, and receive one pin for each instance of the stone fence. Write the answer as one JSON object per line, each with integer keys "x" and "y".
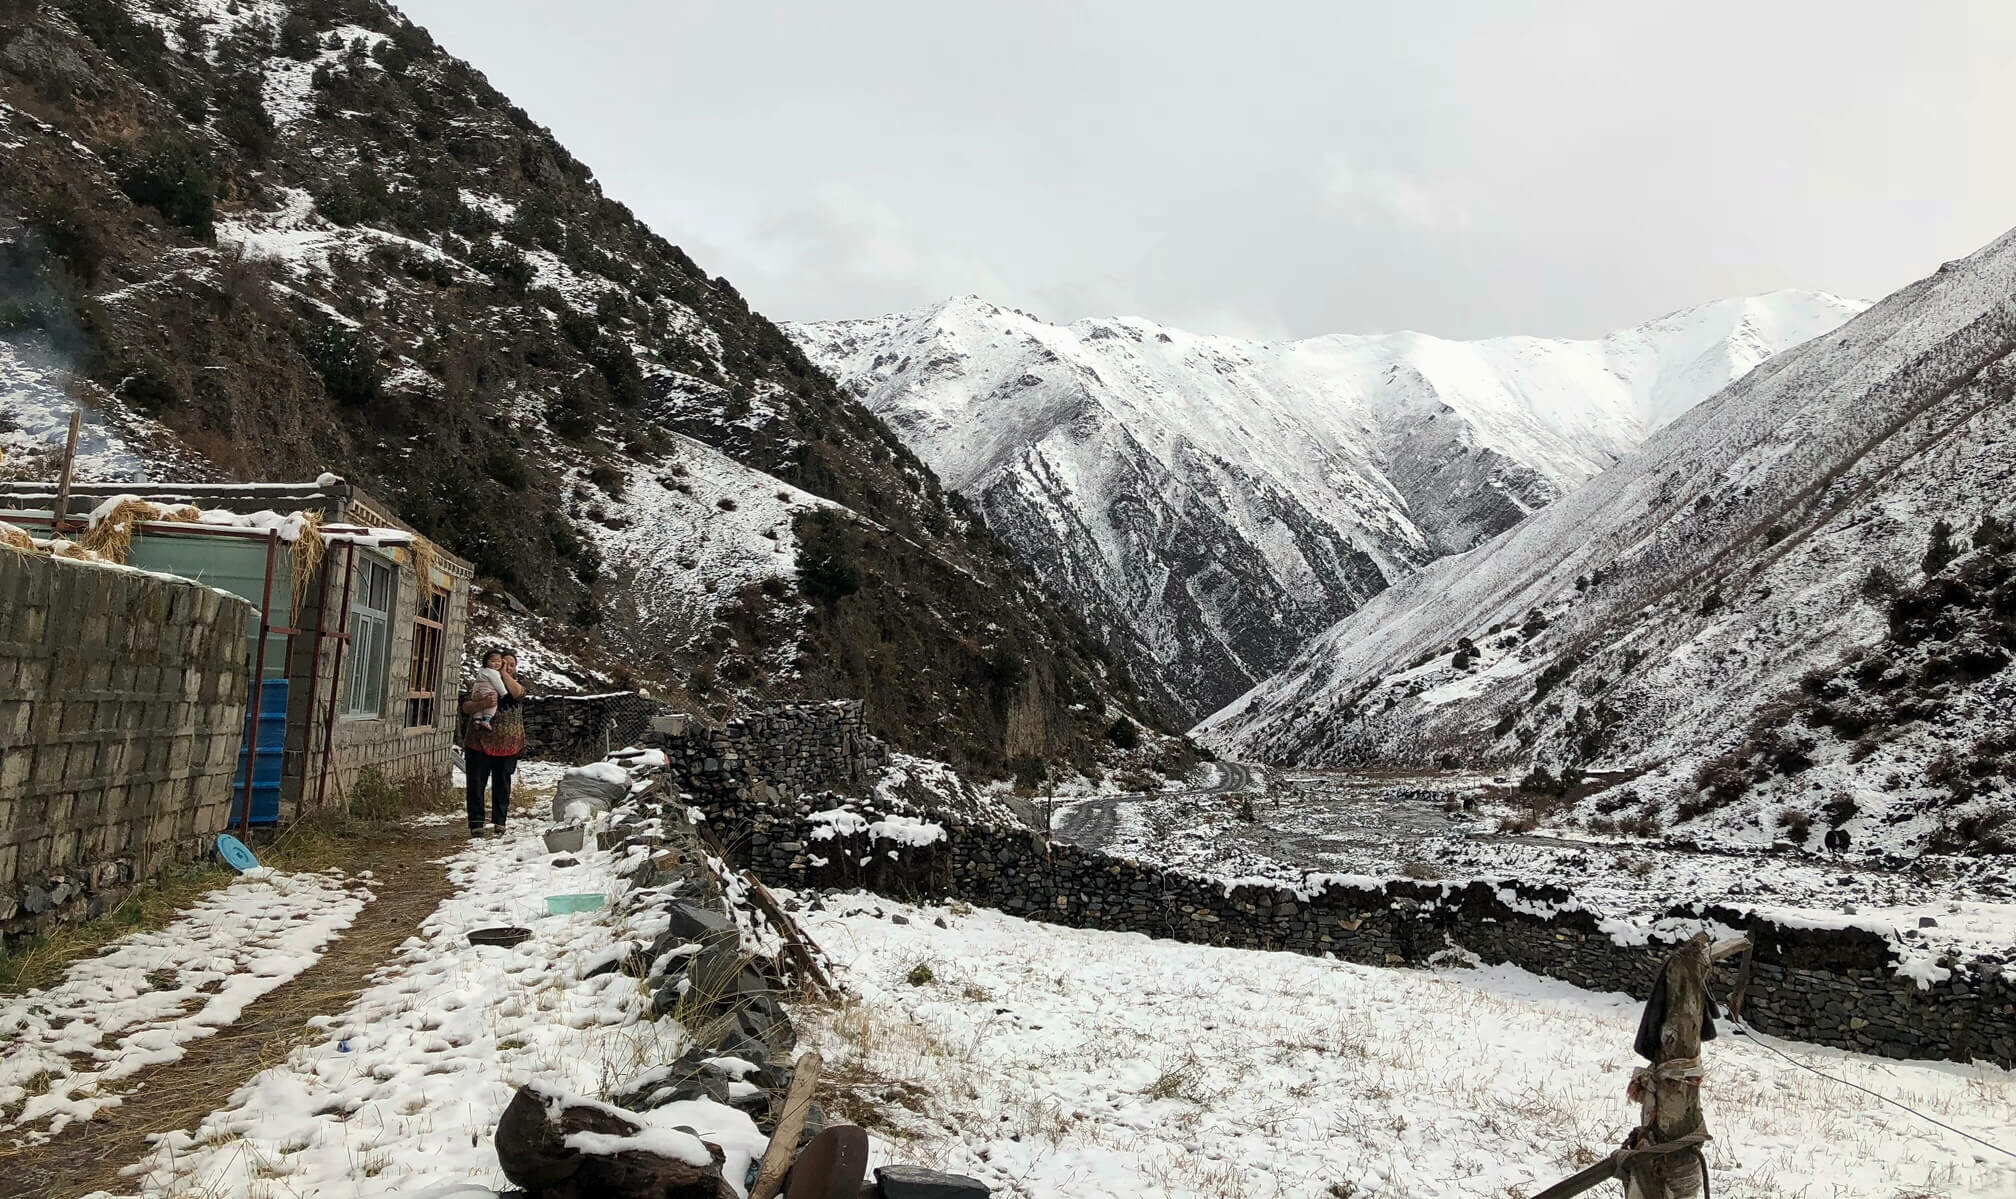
{"x": 122, "y": 709}
{"x": 1830, "y": 986}
{"x": 778, "y": 754}
{"x": 582, "y": 728}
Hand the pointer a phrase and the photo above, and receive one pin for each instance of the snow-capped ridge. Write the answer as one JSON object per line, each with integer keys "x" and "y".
{"x": 1212, "y": 502}
{"x": 1745, "y": 555}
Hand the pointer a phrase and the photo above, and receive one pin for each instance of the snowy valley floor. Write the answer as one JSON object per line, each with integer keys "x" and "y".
{"x": 1397, "y": 824}
{"x": 1063, "y": 1062}
{"x": 1050, "y": 1062}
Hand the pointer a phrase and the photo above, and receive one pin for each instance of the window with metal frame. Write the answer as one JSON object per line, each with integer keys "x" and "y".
{"x": 424, "y": 684}
{"x": 370, "y": 637}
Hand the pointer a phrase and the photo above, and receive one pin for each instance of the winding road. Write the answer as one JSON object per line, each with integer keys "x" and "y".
{"x": 1094, "y": 823}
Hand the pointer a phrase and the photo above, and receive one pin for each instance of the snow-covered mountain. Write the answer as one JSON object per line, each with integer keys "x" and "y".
{"x": 1793, "y": 605}
{"x": 1212, "y": 503}
{"x": 260, "y": 240}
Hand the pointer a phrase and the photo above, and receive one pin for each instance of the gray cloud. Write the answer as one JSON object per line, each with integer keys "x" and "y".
{"x": 1462, "y": 168}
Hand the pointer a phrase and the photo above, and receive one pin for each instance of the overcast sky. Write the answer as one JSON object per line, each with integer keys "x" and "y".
{"x": 1277, "y": 168}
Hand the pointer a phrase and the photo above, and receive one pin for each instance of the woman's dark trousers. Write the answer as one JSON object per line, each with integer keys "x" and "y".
{"x": 481, "y": 769}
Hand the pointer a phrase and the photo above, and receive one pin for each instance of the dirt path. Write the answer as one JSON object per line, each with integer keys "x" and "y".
{"x": 409, "y": 880}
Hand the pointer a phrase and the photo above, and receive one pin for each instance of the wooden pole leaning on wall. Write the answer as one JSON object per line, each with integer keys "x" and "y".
{"x": 1662, "y": 1157}
{"x": 61, "y": 508}
{"x": 797, "y": 942}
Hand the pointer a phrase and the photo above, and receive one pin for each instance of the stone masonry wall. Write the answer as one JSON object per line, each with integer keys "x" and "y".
{"x": 122, "y": 709}
{"x": 781, "y": 753}
{"x": 1833, "y": 987}
{"x": 1837, "y": 987}
{"x": 581, "y": 728}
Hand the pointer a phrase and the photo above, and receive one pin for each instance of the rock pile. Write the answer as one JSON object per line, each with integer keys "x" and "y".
{"x": 707, "y": 970}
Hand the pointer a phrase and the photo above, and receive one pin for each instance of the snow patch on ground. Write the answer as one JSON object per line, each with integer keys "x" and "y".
{"x": 288, "y": 88}
{"x": 686, "y": 535}
{"x": 35, "y": 412}
{"x": 404, "y": 1091}
{"x": 1054, "y": 1061}
{"x": 140, "y": 1004}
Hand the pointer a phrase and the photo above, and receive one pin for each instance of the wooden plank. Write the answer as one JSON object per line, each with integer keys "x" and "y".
{"x": 795, "y": 940}
{"x": 1742, "y": 987}
{"x": 1594, "y": 1176}
{"x": 794, "y": 937}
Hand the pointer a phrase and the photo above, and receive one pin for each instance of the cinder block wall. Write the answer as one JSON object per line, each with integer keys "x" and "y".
{"x": 122, "y": 708}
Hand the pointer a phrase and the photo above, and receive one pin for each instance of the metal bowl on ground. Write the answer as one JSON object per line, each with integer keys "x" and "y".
{"x": 565, "y": 838}
{"x": 502, "y": 937}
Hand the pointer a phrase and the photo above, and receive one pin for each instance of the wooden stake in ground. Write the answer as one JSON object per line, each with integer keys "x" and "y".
{"x": 62, "y": 506}
{"x": 784, "y": 1142}
{"x": 1661, "y": 1159}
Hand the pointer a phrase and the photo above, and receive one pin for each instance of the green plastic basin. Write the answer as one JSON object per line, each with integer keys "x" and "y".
{"x": 587, "y": 901}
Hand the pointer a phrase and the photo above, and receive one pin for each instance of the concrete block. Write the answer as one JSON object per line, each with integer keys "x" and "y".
{"x": 45, "y": 720}
{"x": 14, "y": 715}
{"x": 50, "y": 762}
{"x": 79, "y": 715}
{"x": 17, "y": 766}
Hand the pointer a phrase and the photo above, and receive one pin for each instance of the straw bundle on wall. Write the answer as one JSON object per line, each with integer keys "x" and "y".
{"x": 307, "y": 558}
{"x": 112, "y": 537}
{"x": 425, "y": 558}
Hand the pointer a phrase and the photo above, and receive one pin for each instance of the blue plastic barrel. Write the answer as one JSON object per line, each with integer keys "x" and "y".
{"x": 270, "y": 736}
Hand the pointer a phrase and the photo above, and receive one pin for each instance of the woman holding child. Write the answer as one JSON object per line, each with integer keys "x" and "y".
{"x": 495, "y": 737}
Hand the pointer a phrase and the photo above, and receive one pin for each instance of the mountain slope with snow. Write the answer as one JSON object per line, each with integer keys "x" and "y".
{"x": 264, "y": 240}
{"x": 1792, "y": 606}
{"x": 1212, "y": 503}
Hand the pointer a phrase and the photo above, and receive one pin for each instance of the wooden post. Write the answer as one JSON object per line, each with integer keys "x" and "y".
{"x": 1662, "y": 1159}
{"x": 777, "y": 1156}
{"x": 1670, "y": 1088}
{"x": 62, "y": 507}
{"x": 796, "y": 942}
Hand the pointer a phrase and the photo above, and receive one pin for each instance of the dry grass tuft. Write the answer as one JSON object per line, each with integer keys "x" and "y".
{"x": 426, "y": 557}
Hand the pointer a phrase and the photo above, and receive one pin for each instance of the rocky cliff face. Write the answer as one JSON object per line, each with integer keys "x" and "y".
{"x": 260, "y": 240}
{"x": 1791, "y": 609}
{"x": 1211, "y": 503}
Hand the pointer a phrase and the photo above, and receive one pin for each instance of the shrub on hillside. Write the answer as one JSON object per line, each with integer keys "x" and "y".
{"x": 358, "y": 197}
{"x": 1879, "y": 584}
{"x": 826, "y": 570}
{"x": 1124, "y": 734}
{"x": 505, "y": 265}
{"x": 70, "y": 234}
{"x": 613, "y": 357}
{"x": 1995, "y": 535}
{"x": 176, "y": 179}
{"x": 347, "y": 362}
{"x": 241, "y": 116}
{"x": 1940, "y": 548}
{"x": 150, "y": 389}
